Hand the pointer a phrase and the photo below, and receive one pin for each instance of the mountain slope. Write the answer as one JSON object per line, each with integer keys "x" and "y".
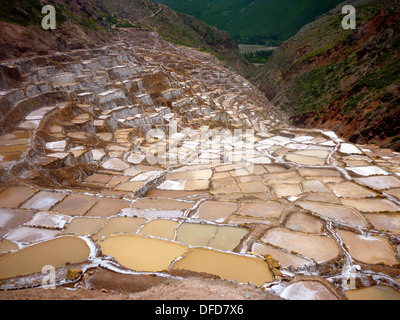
{"x": 88, "y": 23}
{"x": 345, "y": 80}
{"x": 181, "y": 29}
{"x": 254, "y": 21}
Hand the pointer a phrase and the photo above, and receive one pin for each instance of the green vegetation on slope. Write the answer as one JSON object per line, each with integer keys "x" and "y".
{"x": 255, "y": 21}
{"x": 346, "y": 80}
{"x": 27, "y": 12}
{"x": 259, "y": 56}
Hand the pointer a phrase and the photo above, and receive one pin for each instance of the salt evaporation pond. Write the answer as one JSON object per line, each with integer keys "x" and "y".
{"x": 373, "y": 293}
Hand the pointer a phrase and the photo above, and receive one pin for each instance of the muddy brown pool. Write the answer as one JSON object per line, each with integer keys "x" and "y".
{"x": 226, "y": 265}
{"x": 57, "y": 252}
{"x": 141, "y": 253}
{"x": 373, "y": 293}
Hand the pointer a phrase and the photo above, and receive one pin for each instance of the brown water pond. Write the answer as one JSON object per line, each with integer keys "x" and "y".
{"x": 226, "y": 265}
{"x": 141, "y": 253}
{"x": 374, "y": 293}
{"x": 56, "y": 252}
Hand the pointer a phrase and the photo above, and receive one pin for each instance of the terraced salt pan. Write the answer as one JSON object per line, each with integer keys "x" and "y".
{"x": 368, "y": 171}
{"x": 84, "y": 226}
{"x": 287, "y": 190}
{"x": 173, "y": 185}
{"x": 12, "y": 197}
{"x": 16, "y": 135}
{"x": 307, "y": 290}
{"x": 57, "y": 145}
{"x": 48, "y": 220}
{"x": 290, "y": 177}
{"x": 218, "y": 237}
{"x": 227, "y": 238}
{"x": 242, "y": 269}
{"x": 162, "y": 204}
{"x": 371, "y": 205}
{"x": 316, "y": 247}
{"x": 150, "y": 213}
{"x": 9, "y": 158}
{"x": 190, "y": 175}
{"x": 349, "y": 148}
{"x": 57, "y": 252}
{"x": 266, "y": 210}
{"x": 317, "y": 172}
{"x": 383, "y": 222}
{"x": 394, "y": 193}
{"x": 12, "y": 218}
{"x": 304, "y": 222}
{"x": 259, "y": 160}
{"x": 195, "y": 234}
{"x": 197, "y": 185}
{"x": 43, "y": 200}
{"x": 13, "y": 149}
{"x": 107, "y": 207}
{"x": 136, "y": 158}
{"x": 99, "y": 178}
{"x": 130, "y": 186}
{"x": 323, "y": 197}
{"x": 146, "y": 175}
{"x": 336, "y": 213}
{"x": 373, "y": 293}
{"x": 285, "y": 259}
{"x": 215, "y": 211}
{"x": 75, "y": 204}
{"x": 115, "y": 164}
{"x": 314, "y": 186}
{"x": 116, "y": 180}
{"x": 120, "y": 225}
{"x": 7, "y": 246}
{"x": 250, "y": 171}
{"x": 29, "y": 235}
{"x": 140, "y": 253}
{"x": 160, "y": 228}
{"x": 379, "y": 182}
{"x": 308, "y": 157}
{"x": 368, "y": 249}
{"x": 349, "y": 189}
{"x": 225, "y": 185}
{"x": 40, "y": 113}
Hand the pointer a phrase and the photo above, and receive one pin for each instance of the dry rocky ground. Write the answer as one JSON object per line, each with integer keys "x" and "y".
{"x": 143, "y": 170}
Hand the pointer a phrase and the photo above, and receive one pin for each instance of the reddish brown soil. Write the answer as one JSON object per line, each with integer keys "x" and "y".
{"x": 108, "y": 285}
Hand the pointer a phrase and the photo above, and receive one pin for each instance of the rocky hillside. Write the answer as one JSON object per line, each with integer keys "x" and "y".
{"x": 345, "y": 80}
{"x": 83, "y": 24}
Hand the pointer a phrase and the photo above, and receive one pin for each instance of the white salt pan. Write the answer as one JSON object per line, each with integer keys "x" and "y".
{"x": 349, "y": 149}
{"x": 368, "y": 171}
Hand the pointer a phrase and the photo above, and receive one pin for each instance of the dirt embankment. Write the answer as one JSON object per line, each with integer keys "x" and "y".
{"x": 101, "y": 284}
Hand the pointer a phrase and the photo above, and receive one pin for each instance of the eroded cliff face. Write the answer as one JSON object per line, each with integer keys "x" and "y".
{"x": 344, "y": 80}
